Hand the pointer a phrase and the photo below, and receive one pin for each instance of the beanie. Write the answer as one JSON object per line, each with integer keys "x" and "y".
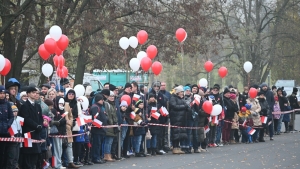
{"x": 263, "y": 85}
{"x": 46, "y": 118}
{"x": 226, "y": 90}
{"x": 105, "y": 92}
{"x": 127, "y": 85}
{"x": 217, "y": 86}
{"x": 178, "y": 89}
{"x": 138, "y": 103}
{"x": 98, "y": 97}
{"x": 204, "y": 89}
{"x": 14, "y": 108}
{"x": 124, "y": 103}
{"x": 23, "y": 94}
{"x": 48, "y": 102}
{"x": 112, "y": 87}
{"x": 248, "y": 106}
{"x": 187, "y": 88}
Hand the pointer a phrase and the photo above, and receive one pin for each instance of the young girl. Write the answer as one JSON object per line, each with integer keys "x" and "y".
{"x": 246, "y": 123}
{"x": 276, "y": 117}
{"x": 139, "y": 131}
{"x": 17, "y": 126}
{"x": 45, "y": 145}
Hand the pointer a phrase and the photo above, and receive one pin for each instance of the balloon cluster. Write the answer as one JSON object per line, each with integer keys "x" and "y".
{"x": 5, "y": 65}
{"x": 143, "y": 59}
{"x": 55, "y": 43}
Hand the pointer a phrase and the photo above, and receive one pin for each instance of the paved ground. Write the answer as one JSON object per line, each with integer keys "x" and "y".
{"x": 283, "y": 152}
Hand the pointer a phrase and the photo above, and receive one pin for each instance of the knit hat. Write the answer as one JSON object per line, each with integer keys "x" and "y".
{"x": 156, "y": 83}
{"x": 216, "y": 86}
{"x": 138, "y": 103}
{"x": 233, "y": 91}
{"x": 48, "y": 102}
{"x": 22, "y": 94}
{"x": 46, "y": 118}
{"x": 295, "y": 90}
{"x": 64, "y": 81}
{"x": 226, "y": 90}
{"x": 255, "y": 86}
{"x": 260, "y": 93}
{"x": 105, "y": 92}
{"x": 263, "y": 85}
{"x": 274, "y": 87}
{"x": 88, "y": 90}
{"x": 124, "y": 103}
{"x": 14, "y": 108}
{"x": 61, "y": 101}
{"x": 178, "y": 89}
{"x": 2, "y": 89}
{"x": 187, "y": 88}
{"x": 46, "y": 85}
{"x": 127, "y": 85}
{"x": 31, "y": 89}
{"x": 230, "y": 86}
{"x": 111, "y": 93}
{"x": 243, "y": 109}
{"x": 204, "y": 89}
{"x": 98, "y": 97}
{"x": 112, "y": 87}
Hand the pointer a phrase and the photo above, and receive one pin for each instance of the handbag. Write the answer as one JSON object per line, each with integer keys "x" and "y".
{"x": 53, "y": 129}
{"x": 148, "y": 135}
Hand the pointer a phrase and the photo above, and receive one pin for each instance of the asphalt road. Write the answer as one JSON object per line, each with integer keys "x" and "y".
{"x": 281, "y": 153}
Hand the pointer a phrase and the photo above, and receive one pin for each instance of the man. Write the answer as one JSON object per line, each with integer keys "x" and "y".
{"x": 33, "y": 121}
{"x": 270, "y": 99}
{"x": 45, "y": 88}
{"x": 6, "y": 119}
{"x": 195, "y": 89}
{"x": 12, "y": 87}
{"x": 164, "y": 91}
{"x": 114, "y": 89}
{"x": 294, "y": 105}
{"x": 53, "y": 85}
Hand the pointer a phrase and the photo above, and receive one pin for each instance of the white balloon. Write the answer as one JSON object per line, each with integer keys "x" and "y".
{"x": 216, "y": 110}
{"x": 55, "y": 32}
{"x": 134, "y": 64}
{"x": 84, "y": 103}
{"x": 47, "y": 37}
{"x": 141, "y": 55}
{"x": 2, "y": 62}
{"x": 79, "y": 90}
{"x": 185, "y": 37}
{"x": 248, "y": 66}
{"x": 47, "y": 70}
{"x": 124, "y": 43}
{"x": 133, "y": 42}
{"x": 203, "y": 82}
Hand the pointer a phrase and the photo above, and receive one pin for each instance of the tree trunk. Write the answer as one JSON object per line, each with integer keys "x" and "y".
{"x": 81, "y": 62}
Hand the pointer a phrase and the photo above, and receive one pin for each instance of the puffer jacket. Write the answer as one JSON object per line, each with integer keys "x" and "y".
{"x": 255, "y": 109}
{"x": 6, "y": 117}
{"x": 178, "y": 116}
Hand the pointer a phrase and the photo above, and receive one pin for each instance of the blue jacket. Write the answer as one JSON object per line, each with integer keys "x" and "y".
{"x": 80, "y": 138}
{"x": 6, "y": 117}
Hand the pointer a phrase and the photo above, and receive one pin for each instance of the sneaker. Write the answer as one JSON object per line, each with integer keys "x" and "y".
{"x": 162, "y": 151}
{"x": 214, "y": 145}
{"x": 203, "y": 150}
{"x": 220, "y": 145}
{"x": 130, "y": 153}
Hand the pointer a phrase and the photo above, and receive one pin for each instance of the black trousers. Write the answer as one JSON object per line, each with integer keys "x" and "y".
{"x": 77, "y": 150}
{"x": 8, "y": 154}
{"x": 29, "y": 161}
{"x": 114, "y": 146}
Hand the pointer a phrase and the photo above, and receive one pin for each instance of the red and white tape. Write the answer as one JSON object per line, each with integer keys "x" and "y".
{"x": 286, "y": 112}
{"x": 19, "y": 140}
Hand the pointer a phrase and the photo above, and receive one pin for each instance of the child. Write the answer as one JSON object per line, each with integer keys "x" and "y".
{"x": 234, "y": 136}
{"x": 123, "y": 108}
{"x": 246, "y": 123}
{"x": 16, "y": 124}
{"x": 276, "y": 116}
{"x": 45, "y": 146}
{"x": 139, "y": 131}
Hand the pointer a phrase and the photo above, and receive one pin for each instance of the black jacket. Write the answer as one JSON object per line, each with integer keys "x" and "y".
{"x": 282, "y": 101}
{"x": 294, "y": 101}
{"x": 97, "y": 108}
{"x": 270, "y": 99}
{"x": 32, "y": 118}
{"x": 160, "y": 98}
{"x": 230, "y": 108}
{"x": 57, "y": 116}
{"x": 178, "y": 116}
{"x": 265, "y": 109}
{"x": 6, "y": 117}
{"x": 153, "y": 129}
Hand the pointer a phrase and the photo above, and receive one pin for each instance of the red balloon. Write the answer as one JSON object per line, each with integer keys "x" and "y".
{"x": 180, "y": 34}
{"x": 151, "y": 51}
{"x": 62, "y": 72}
{"x": 252, "y": 93}
{"x": 146, "y": 63}
{"x": 126, "y": 98}
{"x": 50, "y": 45}
{"x": 43, "y": 52}
{"x": 156, "y": 68}
{"x": 58, "y": 51}
{"x": 63, "y": 42}
{"x": 208, "y": 66}
{"x": 142, "y": 37}
{"x": 222, "y": 71}
{"x": 207, "y": 107}
{"x": 60, "y": 61}
{"x": 55, "y": 60}
{"x": 6, "y": 68}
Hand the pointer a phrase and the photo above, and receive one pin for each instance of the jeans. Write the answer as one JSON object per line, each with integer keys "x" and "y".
{"x": 187, "y": 143}
{"x": 279, "y": 123}
{"x": 245, "y": 136}
{"x": 57, "y": 151}
{"x": 219, "y": 131}
{"x": 69, "y": 153}
{"x": 153, "y": 141}
{"x": 124, "y": 131}
{"x": 107, "y": 145}
{"x": 137, "y": 143}
{"x": 96, "y": 141}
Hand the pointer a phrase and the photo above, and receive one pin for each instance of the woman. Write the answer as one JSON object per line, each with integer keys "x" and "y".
{"x": 51, "y": 94}
{"x": 283, "y": 104}
{"x": 265, "y": 111}
{"x": 254, "y": 108}
{"x": 178, "y": 109}
{"x": 110, "y": 109}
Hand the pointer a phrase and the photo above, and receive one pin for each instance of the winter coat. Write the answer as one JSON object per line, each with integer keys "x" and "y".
{"x": 245, "y": 117}
{"x": 235, "y": 121}
{"x": 57, "y": 116}
{"x": 6, "y": 117}
{"x": 161, "y": 101}
{"x": 69, "y": 122}
{"x": 80, "y": 138}
{"x": 97, "y": 108}
{"x": 32, "y": 115}
{"x": 255, "y": 109}
{"x": 241, "y": 100}
{"x": 283, "y": 101}
{"x": 188, "y": 101}
{"x": 230, "y": 108}
{"x": 270, "y": 98}
{"x": 110, "y": 109}
{"x": 138, "y": 120}
{"x": 44, "y": 136}
{"x": 44, "y": 107}
{"x": 265, "y": 110}
{"x": 276, "y": 109}
{"x": 154, "y": 130}
{"x": 178, "y": 116}
{"x": 294, "y": 101}
{"x": 167, "y": 94}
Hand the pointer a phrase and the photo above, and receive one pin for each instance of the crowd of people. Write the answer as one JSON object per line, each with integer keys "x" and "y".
{"x": 51, "y": 115}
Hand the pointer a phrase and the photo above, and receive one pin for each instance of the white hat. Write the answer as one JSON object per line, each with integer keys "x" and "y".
{"x": 111, "y": 93}
{"x": 178, "y": 89}
{"x": 61, "y": 101}
{"x": 22, "y": 94}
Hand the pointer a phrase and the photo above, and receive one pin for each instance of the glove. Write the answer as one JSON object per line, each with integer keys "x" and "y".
{"x": 38, "y": 128}
{"x": 56, "y": 123}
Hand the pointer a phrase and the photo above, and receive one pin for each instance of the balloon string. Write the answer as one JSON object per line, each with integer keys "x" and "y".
{"x": 135, "y": 51}
{"x": 4, "y": 81}
{"x": 126, "y": 59}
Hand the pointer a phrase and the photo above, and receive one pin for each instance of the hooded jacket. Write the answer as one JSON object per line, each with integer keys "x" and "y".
{"x": 6, "y": 117}
{"x": 57, "y": 112}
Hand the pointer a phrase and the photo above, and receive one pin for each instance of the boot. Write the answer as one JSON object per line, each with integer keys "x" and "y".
{"x": 72, "y": 165}
{"x": 107, "y": 157}
{"x": 175, "y": 151}
{"x": 232, "y": 142}
{"x": 180, "y": 151}
{"x": 188, "y": 151}
{"x": 153, "y": 152}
